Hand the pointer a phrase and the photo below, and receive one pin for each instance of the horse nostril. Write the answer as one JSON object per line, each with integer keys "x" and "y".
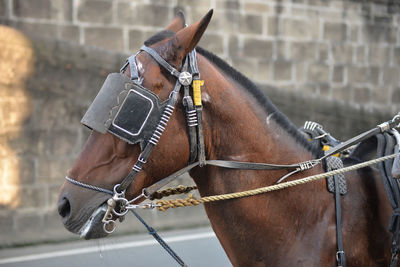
{"x": 64, "y": 207}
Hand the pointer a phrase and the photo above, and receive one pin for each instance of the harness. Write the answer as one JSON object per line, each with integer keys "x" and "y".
{"x": 336, "y": 184}
{"x": 135, "y": 114}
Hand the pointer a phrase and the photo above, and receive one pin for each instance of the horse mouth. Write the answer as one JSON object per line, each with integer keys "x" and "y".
{"x": 93, "y": 228}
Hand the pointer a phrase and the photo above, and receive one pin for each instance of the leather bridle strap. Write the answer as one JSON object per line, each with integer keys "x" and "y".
{"x": 224, "y": 164}
{"x": 173, "y": 99}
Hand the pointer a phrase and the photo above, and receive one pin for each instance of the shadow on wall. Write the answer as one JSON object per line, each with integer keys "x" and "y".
{"x": 16, "y": 66}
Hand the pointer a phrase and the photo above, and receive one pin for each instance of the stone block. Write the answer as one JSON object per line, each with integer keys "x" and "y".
{"x": 300, "y": 29}
{"x": 395, "y": 96}
{"x": 212, "y": 42}
{"x": 108, "y": 38}
{"x": 32, "y": 196}
{"x": 309, "y": 89}
{"x": 153, "y": 15}
{"x": 62, "y": 10}
{"x": 191, "y": 3}
{"x": 125, "y": 13}
{"x": 325, "y": 90}
{"x": 338, "y": 74}
{"x": 375, "y": 75}
{"x": 256, "y": 7}
{"x": 282, "y": 70}
{"x": 300, "y": 72}
{"x": 229, "y": 4}
{"x": 303, "y": 51}
{"x": 354, "y": 33}
{"x": 360, "y": 55}
{"x": 233, "y": 47}
{"x": 70, "y": 33}
{"x": 227, "y": 21}
{"x": 362, "y": 95}
{"x": 250, "y": 24}
{"x": 318, "y": 72}
{"x": 379, "y": 55}
{"x": 396, "y": 56}
{"x": 323, "y": 52}
{"x": 259, "y": 49}
{"x": 136, "y": 39}
{"x": 58, "y": 10}
{"x": 282, "y": 50}
{"x": 357, "y": 74}
{"x": 391, "y": 76}
{"x": 40, "y": 9}
{"x": 95, "y": 11}
{"x": 27, "y": 170}
{"x": 53, "y": 169}
{"x": 335, "y": 31}
{"x": 245, "y": 66}
{"x": 374, "y": 33}
{"x": 264, "y": 71}
{"x": 273, "y": 28}
{"x": 342, "y": 93}
{"x": 342, "y": 53}
{"x": 66, "y": 143}
{"x": 53, "y": 193}
{"x": 380, "y": 95}
{"x": 28, "y": 222}
{"x": 6, "y": 222}
{"x": 33, "y": 29}
{"x": 3, "y": 8}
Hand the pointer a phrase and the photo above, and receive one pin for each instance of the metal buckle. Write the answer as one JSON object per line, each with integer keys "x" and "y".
{"x": 339, "y": 257}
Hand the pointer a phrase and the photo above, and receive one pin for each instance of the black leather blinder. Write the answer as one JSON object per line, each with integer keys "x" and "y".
{"x": 125, "y": 109}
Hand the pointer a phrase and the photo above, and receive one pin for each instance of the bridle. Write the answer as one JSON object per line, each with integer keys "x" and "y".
{"x": 187, "y": 78}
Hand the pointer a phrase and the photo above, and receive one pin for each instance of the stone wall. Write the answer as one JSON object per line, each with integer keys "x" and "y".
{"x": 336, "y": 62}
{"x": 337, "y": 49}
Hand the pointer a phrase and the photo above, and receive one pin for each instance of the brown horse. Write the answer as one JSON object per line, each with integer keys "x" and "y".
{"x": 293, "y": 227}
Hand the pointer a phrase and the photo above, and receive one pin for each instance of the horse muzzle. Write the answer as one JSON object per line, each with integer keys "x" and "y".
{"x": 82, "y": 212}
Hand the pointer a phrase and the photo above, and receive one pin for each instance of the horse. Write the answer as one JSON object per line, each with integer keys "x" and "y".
{"x": 291, "y": 227}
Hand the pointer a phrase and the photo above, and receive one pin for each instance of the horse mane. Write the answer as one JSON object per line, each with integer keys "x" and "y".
{"x": 251, "y": 88}
{"x": 261, "y": 98}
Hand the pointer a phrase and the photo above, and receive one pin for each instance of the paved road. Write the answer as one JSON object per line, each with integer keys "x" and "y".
{"x": 197, "y": 247}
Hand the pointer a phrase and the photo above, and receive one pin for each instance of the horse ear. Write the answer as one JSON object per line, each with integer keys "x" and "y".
{"x": 178, "y": 23}
{"x": 186, "y": 39}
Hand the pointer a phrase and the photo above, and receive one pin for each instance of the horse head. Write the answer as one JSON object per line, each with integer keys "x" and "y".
{"x": 107, "y": 158}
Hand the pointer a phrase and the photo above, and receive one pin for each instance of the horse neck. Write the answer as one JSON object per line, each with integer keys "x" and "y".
{"x": 238, "y": 128}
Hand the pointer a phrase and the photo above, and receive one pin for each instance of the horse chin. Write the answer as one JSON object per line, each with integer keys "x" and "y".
{"x": 93, "y": 228}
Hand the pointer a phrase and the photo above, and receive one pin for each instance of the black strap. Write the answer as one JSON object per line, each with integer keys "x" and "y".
{"x": 156, "y": 236}
{"x": 363, "y": 136}
{"x": 161, "y": 61}
{"x": 340, "y": 255}
{"x": 219, "y": 163}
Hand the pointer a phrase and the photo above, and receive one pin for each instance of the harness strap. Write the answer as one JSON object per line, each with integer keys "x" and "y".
{"x": 220, "y": 163}
{"x": 340, "y": 255}
{"x": 363, "y": 136}
{"x": 161, "y": 61}
{"x": 157, "y": 237}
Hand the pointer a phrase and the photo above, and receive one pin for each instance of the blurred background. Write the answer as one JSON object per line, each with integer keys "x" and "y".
{"x": 336, "y": 62}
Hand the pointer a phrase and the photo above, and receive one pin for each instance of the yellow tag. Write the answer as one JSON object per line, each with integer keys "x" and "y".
{"x": 326, "y": 148}
{"x": 197, "y": 91}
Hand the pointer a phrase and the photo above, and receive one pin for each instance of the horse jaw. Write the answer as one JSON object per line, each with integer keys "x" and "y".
{"x": 93, "y": 228}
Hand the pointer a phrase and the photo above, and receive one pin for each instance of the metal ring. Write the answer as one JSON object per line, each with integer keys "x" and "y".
{"x": 108, "y": 223}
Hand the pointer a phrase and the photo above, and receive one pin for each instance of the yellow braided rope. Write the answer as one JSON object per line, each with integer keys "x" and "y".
{"x": 163, "y": 205}
{"x": 180, "y": 189}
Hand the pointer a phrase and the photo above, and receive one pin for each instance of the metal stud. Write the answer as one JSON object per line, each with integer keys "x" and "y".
{"x": 185, "y": 78}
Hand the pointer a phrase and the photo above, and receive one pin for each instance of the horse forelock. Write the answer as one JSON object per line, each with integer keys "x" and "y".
{"x": 263, "y": 101}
